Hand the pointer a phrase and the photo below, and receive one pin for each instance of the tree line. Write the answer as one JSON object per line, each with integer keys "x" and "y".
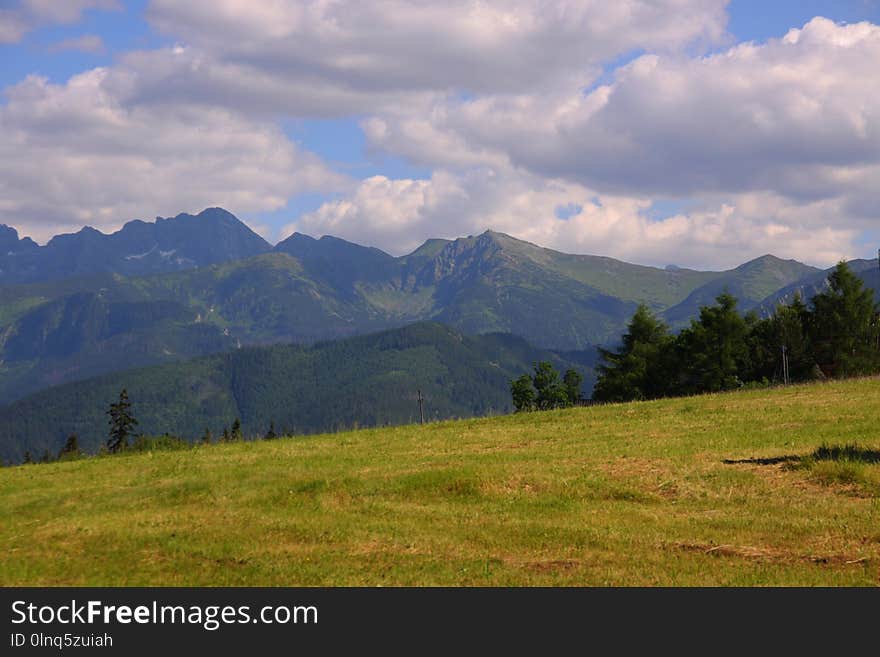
{"x": 544, "y": 389}
{"x": 836, "y": 335}
{"x": 122, "y": 437}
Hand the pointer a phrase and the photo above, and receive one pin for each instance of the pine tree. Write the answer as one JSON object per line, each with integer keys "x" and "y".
{"x": 122, "y": 422}
{"x": 781, "y": 336}
{"x": 236, "y": 434}
{"x": 270, "y": 434}
{"x": 714, "y": 348}
{"x": 225, "y": 437}
{"x": 639, "y": 369}
{"x": 27, "y": 457}
{"x": 71, "y": 447}
{"x": 843, "y": 325}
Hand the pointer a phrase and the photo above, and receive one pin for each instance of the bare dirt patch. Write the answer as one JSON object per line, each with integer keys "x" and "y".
{"x": 770, "y": 554}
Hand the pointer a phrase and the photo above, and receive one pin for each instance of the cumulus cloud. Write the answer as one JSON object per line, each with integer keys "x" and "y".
{"x": 398, "y": 215}
{"x": 799, "y": 116}
{"x": 331, "y": 57}
{"x": 26, "y": 15}
{"x": 77, "y": 153}
{"x": 776, "y": 144}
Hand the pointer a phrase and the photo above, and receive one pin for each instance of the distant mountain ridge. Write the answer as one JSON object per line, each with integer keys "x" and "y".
{"x": 139, "y": 248}
{"x": 808, "y": 286}
{"x": 201, "y": 284}
{"x": 748, "y": 283}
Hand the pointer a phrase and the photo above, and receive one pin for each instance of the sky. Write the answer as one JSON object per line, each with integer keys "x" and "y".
{"x": 701, "y": 133}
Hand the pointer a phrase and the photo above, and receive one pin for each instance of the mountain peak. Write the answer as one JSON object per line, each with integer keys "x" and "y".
{"x": 300, "y": 245}
{"x": 496, "y": 235}
{"x": 217, "y": 213}
{"x": 138, "y": 248}
{"x": 297, "y": 238}
{"x": 771, "y": 261}
{"x": 208, "y": 214}
{"x": 503, "y": 239}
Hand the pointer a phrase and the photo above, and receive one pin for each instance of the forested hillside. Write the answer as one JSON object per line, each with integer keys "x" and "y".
{"x": 364, "y": 381}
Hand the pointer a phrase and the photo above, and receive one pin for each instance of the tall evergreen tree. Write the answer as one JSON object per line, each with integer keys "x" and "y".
{"x": 782, "y": 335}
{"x": 844, "y": 327}
{"x": 122, "y": 423}
{"x": 270, "y": 434}
{"x": 638, "y": 370}
{"x": 713, "y": 352}
{"x": 71, "y": 447}
{"x": 235, "y": 434}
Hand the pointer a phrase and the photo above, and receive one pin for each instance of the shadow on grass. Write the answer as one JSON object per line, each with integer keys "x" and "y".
{"x": 844, "y": 453}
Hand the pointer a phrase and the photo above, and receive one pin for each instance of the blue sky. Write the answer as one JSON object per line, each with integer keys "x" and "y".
{"x": 390, "y": 141}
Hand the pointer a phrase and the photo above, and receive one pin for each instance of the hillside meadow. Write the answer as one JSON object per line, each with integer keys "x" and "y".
{"x": 722, "y": 489}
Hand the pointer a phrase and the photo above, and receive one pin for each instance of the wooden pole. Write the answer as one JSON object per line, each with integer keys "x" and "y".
{"x": 785, "y": 377}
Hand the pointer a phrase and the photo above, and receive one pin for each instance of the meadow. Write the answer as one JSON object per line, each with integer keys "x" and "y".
{"x": 726, "y": 489}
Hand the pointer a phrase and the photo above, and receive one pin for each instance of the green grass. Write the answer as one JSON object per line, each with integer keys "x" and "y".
{"x": 845, "y": 465}
{"x": 694, "y": 491}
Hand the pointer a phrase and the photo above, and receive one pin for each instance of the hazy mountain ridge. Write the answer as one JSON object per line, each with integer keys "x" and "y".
{"x": 817, "y": 281}
{"x": 750, "y": 283}
{"x": 139, "y": 248}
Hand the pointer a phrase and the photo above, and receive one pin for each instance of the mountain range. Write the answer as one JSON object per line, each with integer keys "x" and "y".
{"x": 89, "y": 303}
{"x": 139, "y": 248}
{"x": 106, "y": 302}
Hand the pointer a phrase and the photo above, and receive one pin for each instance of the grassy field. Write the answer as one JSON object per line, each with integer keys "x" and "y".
{"x": 711, "y": 490}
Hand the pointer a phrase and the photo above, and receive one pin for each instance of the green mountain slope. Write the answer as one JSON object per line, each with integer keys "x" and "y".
{"x": 750, "y": 283}
{"x": 308, "y": 290}
{"x": 367, "y": 380}
{"x": 110, "y": 323}
{"x": 660, "y": 288}
{"x": 816, "y": 281}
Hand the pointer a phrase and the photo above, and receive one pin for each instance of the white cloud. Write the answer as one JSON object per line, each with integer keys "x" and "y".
{"x": 77, "y": 154}
{"x": 26, "y": 15}
{"x": 335, "y": 57}
{"x": 777, "y": 144}
{"x": 798, "y": 116}
{"x": 398, "y": 215}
